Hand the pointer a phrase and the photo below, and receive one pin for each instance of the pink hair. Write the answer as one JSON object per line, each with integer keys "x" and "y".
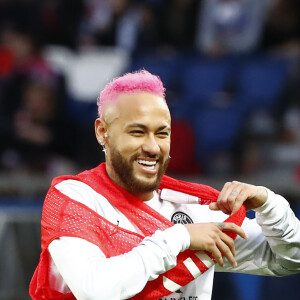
{"x": 137, "y": 82}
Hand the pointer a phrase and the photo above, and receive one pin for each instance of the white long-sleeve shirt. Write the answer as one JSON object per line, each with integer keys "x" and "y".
{"x": 273, "y": 248}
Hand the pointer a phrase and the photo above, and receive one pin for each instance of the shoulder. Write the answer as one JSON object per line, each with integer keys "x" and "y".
{"x": 80, "y": 192}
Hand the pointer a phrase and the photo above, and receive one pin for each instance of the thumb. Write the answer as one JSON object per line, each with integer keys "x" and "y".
{"x": 214, "y": 206}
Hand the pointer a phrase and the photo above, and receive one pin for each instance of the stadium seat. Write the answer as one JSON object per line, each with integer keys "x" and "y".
{"x": 202, "y": 80}
{"x": 169, "y": 69}
{"x": 216, "y": 131}
{"x": 260, "y": 83}
{"x": 164, "y": 67}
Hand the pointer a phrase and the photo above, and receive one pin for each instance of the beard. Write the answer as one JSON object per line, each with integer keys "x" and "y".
{"x": 124, "y": 170}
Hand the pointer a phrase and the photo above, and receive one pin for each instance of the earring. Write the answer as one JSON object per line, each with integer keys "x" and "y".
{"x": 106, "y": 135}
{"x": 103, "y": 147}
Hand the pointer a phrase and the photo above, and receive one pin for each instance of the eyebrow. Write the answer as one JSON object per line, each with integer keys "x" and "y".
{"x": 134, "y": 125}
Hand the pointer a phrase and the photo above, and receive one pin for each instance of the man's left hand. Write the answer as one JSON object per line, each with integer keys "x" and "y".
{"x": 234, "y": 194}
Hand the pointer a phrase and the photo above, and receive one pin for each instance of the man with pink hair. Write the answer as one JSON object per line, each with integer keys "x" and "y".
{"x": 125, "y": 230}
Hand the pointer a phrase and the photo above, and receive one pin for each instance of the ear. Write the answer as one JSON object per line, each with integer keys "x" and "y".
{"x": 100, "y": 130}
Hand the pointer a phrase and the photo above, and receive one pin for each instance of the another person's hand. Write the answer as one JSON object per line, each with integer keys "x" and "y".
{"x": 210, "y": 237}
{"x": 234, "y": 194}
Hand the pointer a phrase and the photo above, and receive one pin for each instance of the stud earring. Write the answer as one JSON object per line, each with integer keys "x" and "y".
{"x": 106, "y": 135}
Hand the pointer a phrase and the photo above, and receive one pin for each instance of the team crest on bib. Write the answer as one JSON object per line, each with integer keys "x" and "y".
{"x": 181, "y": 218}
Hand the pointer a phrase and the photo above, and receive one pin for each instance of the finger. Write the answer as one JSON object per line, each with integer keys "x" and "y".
{"x": 214, "y": 206}
{"x": 234, "y": 228}
{"x": 225, "y": 210}
{"x": 240, "y": 199}
{"x": 221, "y": 201}
{"x": 223, "y": 206}
{"x": 234, "y": 195}
{"x": 217, "y": 255}
{"x": 227, "y": 252}
{"x": 246, "y": 192}
{"x": 228, "y": 241}
{"x": 221, "y": 225}
{"x": 228, "y": 188}
{"x": 228, "y": 196}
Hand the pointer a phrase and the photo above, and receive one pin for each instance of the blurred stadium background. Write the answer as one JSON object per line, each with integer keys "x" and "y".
{"x": 232, "y": 73}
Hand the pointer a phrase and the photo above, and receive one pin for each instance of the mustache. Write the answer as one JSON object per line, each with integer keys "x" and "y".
{"x": 158, "y": 158}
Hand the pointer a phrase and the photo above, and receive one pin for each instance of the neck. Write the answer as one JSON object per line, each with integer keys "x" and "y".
{"x": 145, "y": 196}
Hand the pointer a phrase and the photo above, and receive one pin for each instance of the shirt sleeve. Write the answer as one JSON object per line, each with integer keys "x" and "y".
{"x": 273, "y": 246}
{"x": 90, "y": 275}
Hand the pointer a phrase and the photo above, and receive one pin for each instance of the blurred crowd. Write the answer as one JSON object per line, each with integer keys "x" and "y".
{"x": 39, "y": 133}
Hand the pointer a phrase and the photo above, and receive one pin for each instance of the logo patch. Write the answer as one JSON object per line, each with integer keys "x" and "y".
{"x": 181, "y": 218}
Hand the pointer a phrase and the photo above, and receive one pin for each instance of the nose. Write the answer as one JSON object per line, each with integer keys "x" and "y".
{"x": 150, "y": 145}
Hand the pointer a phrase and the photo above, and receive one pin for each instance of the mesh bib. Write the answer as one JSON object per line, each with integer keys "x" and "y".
{"x": 63, "y": 216}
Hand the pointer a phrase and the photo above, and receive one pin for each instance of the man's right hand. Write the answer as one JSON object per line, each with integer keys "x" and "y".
{"x": 211, "y": 237}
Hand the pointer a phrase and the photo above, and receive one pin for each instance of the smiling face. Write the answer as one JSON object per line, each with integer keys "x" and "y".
{"x": 138, "y": 143}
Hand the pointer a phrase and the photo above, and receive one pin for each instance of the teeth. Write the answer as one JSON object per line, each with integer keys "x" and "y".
{"x": 146, "y": 162}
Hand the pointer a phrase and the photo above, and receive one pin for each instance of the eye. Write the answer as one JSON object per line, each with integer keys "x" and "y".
{"x": 136, "y": 132}
{"x": 163, "y": 134}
